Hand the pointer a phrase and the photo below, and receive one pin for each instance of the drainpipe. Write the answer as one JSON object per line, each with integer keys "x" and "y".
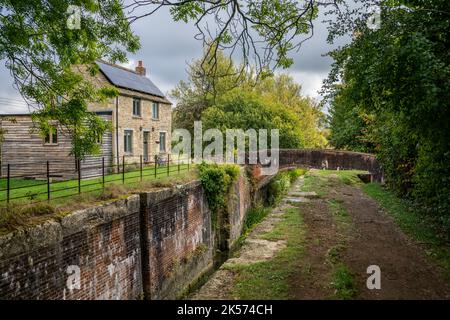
{"x": 117, "y": 132}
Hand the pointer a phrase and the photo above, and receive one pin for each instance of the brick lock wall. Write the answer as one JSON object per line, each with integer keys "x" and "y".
{"x": 180, "y": 240}
{"x": 239, "y": 202}
{"x": 103, "y": 242}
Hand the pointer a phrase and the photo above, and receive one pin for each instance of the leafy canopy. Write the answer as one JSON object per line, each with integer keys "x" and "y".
{"x": 40, "y": 50}
{"x": 398, "y": 78}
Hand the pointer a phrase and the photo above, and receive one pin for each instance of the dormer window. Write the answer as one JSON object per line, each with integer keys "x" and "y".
{"x": 155, "y": 110}
{"x": 137, "y": 107}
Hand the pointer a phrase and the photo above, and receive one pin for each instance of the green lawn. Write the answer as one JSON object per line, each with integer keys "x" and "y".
{"x": 26, "y": 191}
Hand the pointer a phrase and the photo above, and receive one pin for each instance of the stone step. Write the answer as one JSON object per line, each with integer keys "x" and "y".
{"x": 309, "y": 195}
{"x": 297, "y": 200}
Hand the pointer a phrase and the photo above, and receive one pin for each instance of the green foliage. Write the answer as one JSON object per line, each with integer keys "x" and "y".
{"x": 245, "y": 111}
{"x": 231, "y": 99}
{"x": 434, "y": 232}
{"x": 217, "y": 181}
{"x": 344, "y": 283}
{"x": 394, "y": 96}
{"x": 295, "y": 174}
{"x": 42, "y": 53}
{"x": 254, "y": 216}
{"x": 278, "y": 187}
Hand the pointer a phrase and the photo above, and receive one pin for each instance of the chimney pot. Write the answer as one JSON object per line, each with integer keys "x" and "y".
{"x": 140, "y": 69}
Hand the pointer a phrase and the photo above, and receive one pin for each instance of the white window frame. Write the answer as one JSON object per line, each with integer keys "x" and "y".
{"x": 153, "y": 110}
{"x": 165, "y": 142}
{"x": 139, "y": 107}
{"x": 125, "y": 131}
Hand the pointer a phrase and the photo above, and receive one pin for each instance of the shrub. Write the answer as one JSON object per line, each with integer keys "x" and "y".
{"x": 217, "y": 181}
{"x": 296, "y": 173}
{"x": 277, "y": 187}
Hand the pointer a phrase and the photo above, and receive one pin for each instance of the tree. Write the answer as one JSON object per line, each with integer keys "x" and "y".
{"x": 40, "y": 50}
{"x": 245, "y": 110}
{"x": 204, "y": 87}
{"x": 272, "y": 102}
{"x": 399, "y": 75}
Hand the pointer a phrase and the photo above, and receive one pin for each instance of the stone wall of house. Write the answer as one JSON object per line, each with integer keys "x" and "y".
{"x": 138, "y": 125}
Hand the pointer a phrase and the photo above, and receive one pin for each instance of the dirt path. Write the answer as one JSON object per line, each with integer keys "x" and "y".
{"x": 370, "y": 238}
{"x": 377, "y": 240}
{"x": 343, "y": 227}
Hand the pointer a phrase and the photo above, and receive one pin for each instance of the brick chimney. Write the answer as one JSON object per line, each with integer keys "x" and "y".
{"x": 140, "y": 68}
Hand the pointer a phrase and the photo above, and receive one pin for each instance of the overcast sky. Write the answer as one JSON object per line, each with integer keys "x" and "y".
{"x": 167, "y": 47}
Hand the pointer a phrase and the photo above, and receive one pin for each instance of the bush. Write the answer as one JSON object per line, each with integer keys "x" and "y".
{"x": 295, "y": 174}
{"x": 277, "y": 187}
{"x": 217, "y": 181}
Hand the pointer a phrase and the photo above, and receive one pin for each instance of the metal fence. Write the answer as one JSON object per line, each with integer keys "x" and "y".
{"x": 41, "y": 185}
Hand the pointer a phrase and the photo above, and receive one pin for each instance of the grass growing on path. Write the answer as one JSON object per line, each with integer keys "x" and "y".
{"x": 342, "y": 279}
{"x": 414, "y": 223}
{"x": 270, "y": 279}
{"x": 343, "y": 282}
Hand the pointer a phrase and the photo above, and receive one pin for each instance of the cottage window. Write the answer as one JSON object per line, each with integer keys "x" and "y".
{"x": 52, "y": 136}
{"x": 136, "y": 107}
{"x": 162, "y": 142}
{"x": 155, "y": 110}
{"x": 128, "y": 141}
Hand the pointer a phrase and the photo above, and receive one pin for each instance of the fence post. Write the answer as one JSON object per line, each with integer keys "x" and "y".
{"x": 8, "y": 183}
{"x": 156, "y": 163}
{"x": 178, "y": 162}
{"x": 79, "y": 175}
{"x": 103, "y": 172}
{"x": 48, "y": 180}
{"x": 141, "y": 167}
{"x": 168, "y": 164}
{"x": 123, "y": 169}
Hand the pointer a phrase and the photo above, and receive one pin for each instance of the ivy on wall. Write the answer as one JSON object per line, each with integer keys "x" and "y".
{"x": 217, "y": 181}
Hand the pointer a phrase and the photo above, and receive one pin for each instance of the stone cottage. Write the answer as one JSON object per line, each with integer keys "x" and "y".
{"x": 141, "y": 119}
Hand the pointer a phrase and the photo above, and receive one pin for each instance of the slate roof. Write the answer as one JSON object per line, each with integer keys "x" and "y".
{"x": 128, "y": 79}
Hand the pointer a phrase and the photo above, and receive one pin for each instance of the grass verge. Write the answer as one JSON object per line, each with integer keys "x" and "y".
{"x": 16, "y": 217}
{"x": 26, "y": 191}
{"x": 271, "y": 279}
{"x": 419, "y": 227}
